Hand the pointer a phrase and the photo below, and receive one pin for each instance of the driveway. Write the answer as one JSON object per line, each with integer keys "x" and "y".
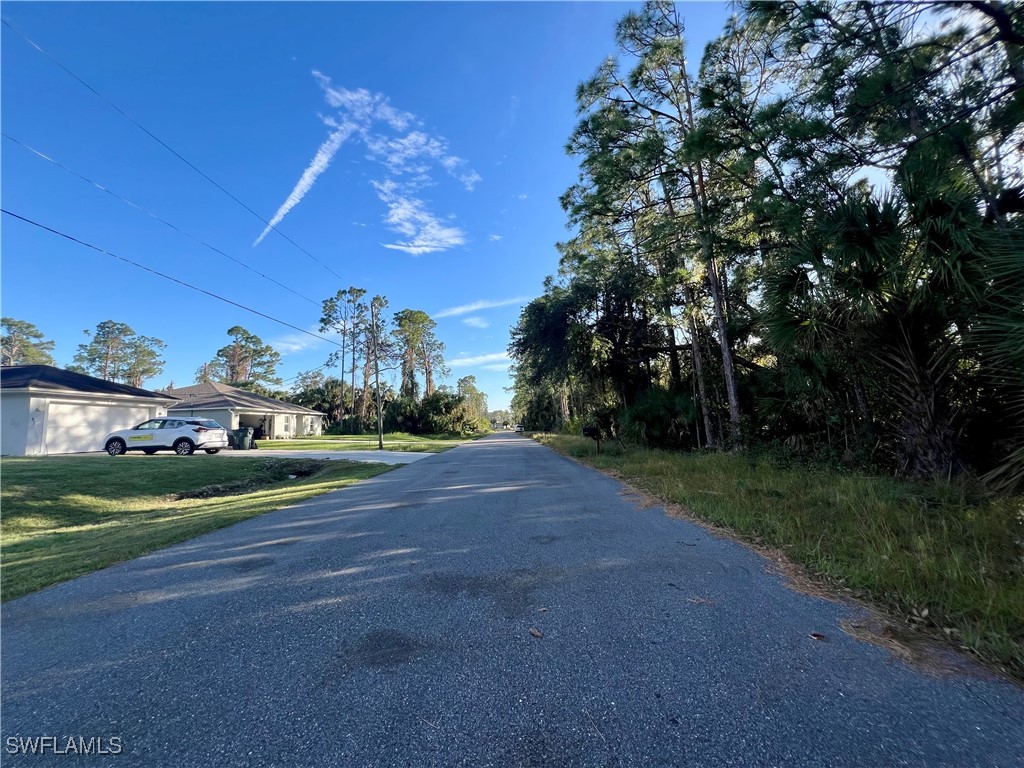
{"x": 493, "y": 605}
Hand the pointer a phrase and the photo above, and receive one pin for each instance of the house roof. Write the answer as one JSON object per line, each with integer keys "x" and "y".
{"x": 214, "y": 395}
{"x": 51, "y": 378}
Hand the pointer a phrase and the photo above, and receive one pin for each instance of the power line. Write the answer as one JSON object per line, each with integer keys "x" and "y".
{"x": 162, "y": 143}
{"x": 166, "y": 276}
{"x": 153, "y": 215}
{"x": 303, "y": 373}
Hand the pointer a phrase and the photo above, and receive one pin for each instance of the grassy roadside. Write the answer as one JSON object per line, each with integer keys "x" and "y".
{"x": 65, "y": 516}
{"x": 394, "y": 441}
{"x": 931, "y": 554}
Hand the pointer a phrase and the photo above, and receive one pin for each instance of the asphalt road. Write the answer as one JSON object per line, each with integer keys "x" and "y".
{"x": 388, "y": 624}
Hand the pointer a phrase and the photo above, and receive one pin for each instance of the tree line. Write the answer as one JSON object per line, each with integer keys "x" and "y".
{"x": 114, "y": 351}
{"x": 358, "y": 398}
{"x": 814, "y": 238}
{"x": 372, "y": 342}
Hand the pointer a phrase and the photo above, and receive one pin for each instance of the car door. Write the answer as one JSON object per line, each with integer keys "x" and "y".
{"x": 169, "y": 431}
{"x": 145, "y": 434}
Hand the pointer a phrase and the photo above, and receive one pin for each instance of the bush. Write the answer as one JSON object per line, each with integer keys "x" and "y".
{"x": 660, "y": 419}
{"x": 402, "y": 415}
{"x": 350, "y": 425}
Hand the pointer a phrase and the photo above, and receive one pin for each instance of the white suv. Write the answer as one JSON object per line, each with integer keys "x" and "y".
{"x": 183, "y": 436}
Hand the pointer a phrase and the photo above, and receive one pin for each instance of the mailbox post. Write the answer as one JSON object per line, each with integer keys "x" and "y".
{"x": 595, "y": 434}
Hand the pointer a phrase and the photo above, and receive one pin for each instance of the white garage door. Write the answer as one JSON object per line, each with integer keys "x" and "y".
{"x": 74, "y": 428}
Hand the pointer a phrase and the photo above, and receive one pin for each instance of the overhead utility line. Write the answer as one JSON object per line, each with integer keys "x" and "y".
{"x": 153, "y": 215}
{"x": 163, "y": 144}
{"x": 166, "y": 276}
{"x": 305, "y": 373}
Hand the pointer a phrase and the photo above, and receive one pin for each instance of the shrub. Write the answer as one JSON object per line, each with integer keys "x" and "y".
{"x": 660, "y": 419}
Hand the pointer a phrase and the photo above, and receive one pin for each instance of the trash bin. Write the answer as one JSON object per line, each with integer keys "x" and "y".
{"x": 243, "y": 438}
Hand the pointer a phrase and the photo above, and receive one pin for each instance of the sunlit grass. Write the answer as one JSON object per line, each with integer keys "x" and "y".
{"x": 907, "y": 547}
{"x": 65, "y": 516}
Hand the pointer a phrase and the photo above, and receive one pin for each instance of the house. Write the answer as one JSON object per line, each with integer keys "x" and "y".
{"x": 234, "y": 408}
{"x": 46, "y": 410}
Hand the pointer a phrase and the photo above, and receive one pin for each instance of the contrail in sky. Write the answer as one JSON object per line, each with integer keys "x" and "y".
{"x": 321, "y": 162}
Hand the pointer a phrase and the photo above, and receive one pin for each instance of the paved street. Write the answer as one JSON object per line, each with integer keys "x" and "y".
{"x": 388, "y": 624}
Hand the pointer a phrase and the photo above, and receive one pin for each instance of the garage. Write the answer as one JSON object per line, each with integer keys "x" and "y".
{"x": 270, "y": 418}
{"x": 47, "y": 410}
{"x": 73, "y": 427}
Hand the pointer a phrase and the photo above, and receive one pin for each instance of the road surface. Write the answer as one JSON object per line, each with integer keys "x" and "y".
{"x": 389, "y": 624}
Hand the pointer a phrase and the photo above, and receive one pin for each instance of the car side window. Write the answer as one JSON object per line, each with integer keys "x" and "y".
{"x": 171, "y": 424}
{"x": 151, "y": 424}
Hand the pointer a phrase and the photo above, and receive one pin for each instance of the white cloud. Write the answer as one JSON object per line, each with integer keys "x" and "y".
{"x": 469, "y": 178}
{"x": 409, "y": 216}
{"x": 476, "y": 322}
{"x": 414, "y": 153}
{"x": 408, "y": 153}
{"x": 497, "y": 366}
{"x": 320, "y": 163}
{"x": 480, "y": 361}
{"x": 410, "y": 157}
{"x": 363, "y": 105}
{"x": 292, "y": 343}
{"x": 494, "y": 238}
{"x": 476, "y": 306}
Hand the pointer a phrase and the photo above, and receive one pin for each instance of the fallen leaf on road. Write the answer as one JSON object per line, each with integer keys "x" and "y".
{"x": 817, "y": 636}
{"x": 536, "y": 632}
{"x": 700, "y": 601}
{"x": 543, "y": 610}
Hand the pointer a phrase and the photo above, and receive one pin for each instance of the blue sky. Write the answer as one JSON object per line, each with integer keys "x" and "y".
{"x": 414, "y": 150}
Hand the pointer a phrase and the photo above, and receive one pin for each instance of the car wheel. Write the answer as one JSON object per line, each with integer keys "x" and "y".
{"x": 116, "y": 447}
{"x": 212, "y": 450}
{"x": 184, "y": 447}
{"x": 149, "y": 451}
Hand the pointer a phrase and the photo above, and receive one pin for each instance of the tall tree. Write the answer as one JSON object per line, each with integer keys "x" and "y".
{"x": 431, "y": 359}
{"x": 359, "y": 322}
{"x": 476, "y": 401}
{"x": 342, "y": 314}
{"x": 420, "y": 350}
{"x": 144, "y": 360}
{"x": 410, "y": 326}
{"x": 24, "y": 344}
{"x": 735, "y": 205}
{"x": 245, "y": 359}
{"x": 635, "y": 139}
{"x": 116, "y": 353}
{"x": 377, "y": 333}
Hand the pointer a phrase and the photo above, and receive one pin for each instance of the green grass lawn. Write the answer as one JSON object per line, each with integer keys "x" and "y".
{"x": 65, "y": 516}
{"x": 937, "y": 555}
{"x": 394, "y": 441}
